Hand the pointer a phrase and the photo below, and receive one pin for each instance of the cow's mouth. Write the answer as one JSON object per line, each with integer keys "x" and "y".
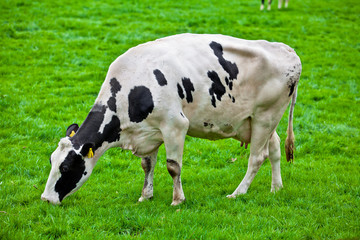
{"x": 50, "y": 200}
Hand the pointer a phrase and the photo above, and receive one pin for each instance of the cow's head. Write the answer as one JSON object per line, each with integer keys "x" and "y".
{"x": 70, "y": 168}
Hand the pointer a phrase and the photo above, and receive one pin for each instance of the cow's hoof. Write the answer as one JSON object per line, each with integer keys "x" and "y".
{"x": 276, "y": 188}
{"x": 143, "y": 199}
{"x": 177, "y": 202}
{"x": 231, "y": 196}
{"x": 236, "y": 193}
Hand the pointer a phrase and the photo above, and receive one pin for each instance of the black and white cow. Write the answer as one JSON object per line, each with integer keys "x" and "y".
{"x": 269, "y": 4}
{"x": 207, "y": 86}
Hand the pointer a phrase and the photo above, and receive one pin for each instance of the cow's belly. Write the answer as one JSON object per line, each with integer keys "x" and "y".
{"x": 227, "y": 120}
{"x": 214, "y": 129}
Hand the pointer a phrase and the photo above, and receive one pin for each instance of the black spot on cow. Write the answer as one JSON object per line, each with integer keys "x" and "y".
{"x": 182, "y": 114}
{"x": 189, "y": 87}
{"x": 231, "y": 98}
{"x": 210, "y": 125}
{"x": 146, "y": 166}
{"x": 160, "y": 77}
{"x": 228, "y": 66}
{"x": 180, "y": 91}
{"x": 140, "y": 103}
{"x": 293, "y": 77}
{"x": 173, "y": 168}
{"x": 292, "y": 87}
{"x": 112, "y": 130}
{"x": 217, "y": 88}
{"x": 115, "y": 86}
{"x": 229, "y": 83}
{"x": 112, "y": 104}
{"x": 213, "y": 101}
{"x": 89, "y": 130}
{"x": 71, "y": 169}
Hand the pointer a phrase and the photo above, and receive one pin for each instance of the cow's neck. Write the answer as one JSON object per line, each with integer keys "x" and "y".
{"x": 101, "y": 127}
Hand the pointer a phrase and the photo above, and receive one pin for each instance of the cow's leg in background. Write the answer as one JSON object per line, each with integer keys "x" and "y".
{"x": 269, "y": 5}
{"x": 174, "y": 133}
{"x": 274, "y": 157}
{"x": 280, "y": 3}
{"x": 262, "y": 5}
{"x": 148, "y": 164}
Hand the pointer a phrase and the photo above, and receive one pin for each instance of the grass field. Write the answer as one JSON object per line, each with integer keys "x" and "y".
{"x": 54, "y": 57}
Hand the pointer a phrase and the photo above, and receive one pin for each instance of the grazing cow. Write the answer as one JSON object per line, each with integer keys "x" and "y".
{"x": 207, "y": 86}
{"x": 269, "y": 4}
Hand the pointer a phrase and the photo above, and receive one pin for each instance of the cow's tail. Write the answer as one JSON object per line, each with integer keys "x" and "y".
{"x": 290, "y": 139}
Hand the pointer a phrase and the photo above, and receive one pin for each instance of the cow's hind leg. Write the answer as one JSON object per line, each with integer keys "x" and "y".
{"x": 148, "y": 164}
{"x": 260, "y": 135}
{"x": 274, "y": 157}
{"x": 174, "y": 134}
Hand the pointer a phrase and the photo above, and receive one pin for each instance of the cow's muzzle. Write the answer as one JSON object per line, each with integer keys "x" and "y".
{"x": 49, "y": 199}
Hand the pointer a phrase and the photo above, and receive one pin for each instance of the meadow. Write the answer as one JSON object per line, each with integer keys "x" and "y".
{"x": 54, "y": 57}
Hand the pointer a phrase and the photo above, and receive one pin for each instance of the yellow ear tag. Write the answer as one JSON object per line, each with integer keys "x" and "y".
{"x": 72, "y": 134}
{"x": 90, "y": 153}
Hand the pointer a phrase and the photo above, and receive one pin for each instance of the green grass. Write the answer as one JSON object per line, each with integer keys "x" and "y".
{"x": 54, "y": 57}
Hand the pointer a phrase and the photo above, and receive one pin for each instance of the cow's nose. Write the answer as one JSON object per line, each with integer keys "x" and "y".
{"x": 49, "y": 200}
{"x": 44, "y": 198}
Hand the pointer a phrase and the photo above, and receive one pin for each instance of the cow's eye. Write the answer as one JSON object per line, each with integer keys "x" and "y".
{"x": 64, "y": 168}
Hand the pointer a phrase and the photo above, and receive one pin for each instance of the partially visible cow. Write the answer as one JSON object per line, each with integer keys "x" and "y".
{"x": 207, "y": 86}
{"x": 269, "y": 4}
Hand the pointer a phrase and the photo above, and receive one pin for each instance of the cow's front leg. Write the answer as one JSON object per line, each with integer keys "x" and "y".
{"x": 174, "y": 168}
{"x": 148, "y": 164}
{"x": 174, "y": 138}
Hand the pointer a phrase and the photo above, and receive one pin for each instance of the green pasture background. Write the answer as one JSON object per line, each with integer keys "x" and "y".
{"x": 53, "y": 59}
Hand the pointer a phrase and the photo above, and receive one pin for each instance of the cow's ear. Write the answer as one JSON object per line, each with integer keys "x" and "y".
{"x": 87, "y": 150}
{"x": 71, "y": 130}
